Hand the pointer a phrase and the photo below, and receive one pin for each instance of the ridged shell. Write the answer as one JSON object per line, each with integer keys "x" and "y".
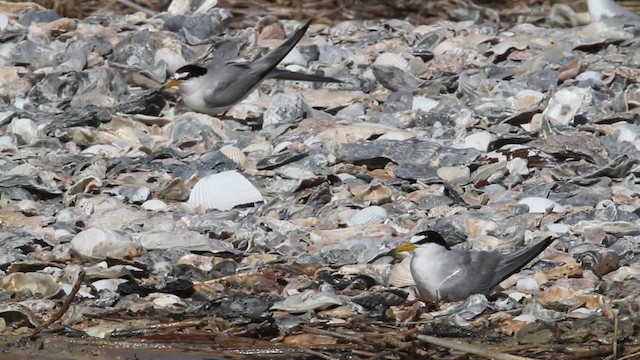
{"x": 401, "y": 274}
{"x": 392, "y": 59}
{"x": 234, "y": 154}
{"x": 369, "y": 215}
{"x": 223, "y": 191}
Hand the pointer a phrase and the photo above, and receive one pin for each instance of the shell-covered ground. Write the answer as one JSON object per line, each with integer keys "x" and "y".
{"x": 133, "y": 228}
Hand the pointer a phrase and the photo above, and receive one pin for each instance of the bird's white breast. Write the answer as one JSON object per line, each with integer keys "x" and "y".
{"x": 430, "y": 269}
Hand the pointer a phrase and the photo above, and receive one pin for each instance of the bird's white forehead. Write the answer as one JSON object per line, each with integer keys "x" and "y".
{"x": 181, "y": 75}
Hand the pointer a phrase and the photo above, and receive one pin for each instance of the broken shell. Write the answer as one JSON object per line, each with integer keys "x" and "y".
{"x": 541, "y": 205}
{"x": 98, "y": 242}
{"x": 31, "y": 285}
{"x": 565, "y": 104}
{"x": 307, "y": 300}
{"x": 234, "y": 154}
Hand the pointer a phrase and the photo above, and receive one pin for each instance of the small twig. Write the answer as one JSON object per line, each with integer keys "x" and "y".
{"x": 318, "y": 354}
{"x": 355, "y": 339}
{"x": 469, "y": 349}
{"x": 363, "y": 353}
{"x": 635, "y": 353}
{"x": 65, "y": 305}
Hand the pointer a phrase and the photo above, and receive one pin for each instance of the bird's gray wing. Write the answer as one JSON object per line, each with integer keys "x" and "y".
{"x": 263, "y": 66}
{"x": 229, "y": 84}
{"x": 232, "y": 81}
{"x": 469, "y": 272}
{"x": 296, "y": 76}
{"x": 511, "y": 263}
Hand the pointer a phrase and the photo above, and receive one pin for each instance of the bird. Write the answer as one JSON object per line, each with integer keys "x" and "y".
{"x": 445, "y": 274}
{"x": 215, "y": 87}
{"x": 600, "y": 10}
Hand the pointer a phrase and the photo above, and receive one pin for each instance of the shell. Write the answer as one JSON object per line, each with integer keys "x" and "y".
{"x": 25, "y": 128}
{"x": 189, "y": 240}
{"x": 31, "y": 284}
{"x": 99, "y": 242}
{"x": 392, "y": 59}
{"x": 223, "y": 191}
{"x": 234, "y": 154}
{"x": 369, "y": 215}
{"x": 540, "y": 205}
{"x": 401, "y": 274}
{"x": 565, "y": 104}
{"x": 308, "y": 300}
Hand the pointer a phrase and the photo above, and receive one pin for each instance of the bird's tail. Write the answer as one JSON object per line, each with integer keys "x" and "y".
{"x": 265, "y": 64}
{"x": 513, "y": 262}
{"x": 296, "y": 76}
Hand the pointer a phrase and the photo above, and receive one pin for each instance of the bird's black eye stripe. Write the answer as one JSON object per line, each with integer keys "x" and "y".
{"x": 190, "y": 71}
{"x": 432, "y": 236}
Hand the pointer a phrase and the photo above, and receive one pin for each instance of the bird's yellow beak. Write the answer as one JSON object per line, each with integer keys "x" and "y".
{"x": 171, "y": 83}
{"x": 403, "y": 247}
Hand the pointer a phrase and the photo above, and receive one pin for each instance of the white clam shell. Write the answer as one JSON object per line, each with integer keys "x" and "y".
{"x": 234, "y": 154}
{"x": 392, "y": 59}
{"x": 223, "y": 191}
{"x": 173, "y": 60}
{"x": 480, "y": 140}
{"x": 368, "y": 215}
{"x": 423, "y": 103}
{"x": 397, "y": 135}
{"x": 25, "y": 128}
{"x": 564, "y": 105}
{"x": 108, "y": 284}
{"x": 540, "y": 205}
{"x": 154, "y": 205}
{"x": 401, "y": 274}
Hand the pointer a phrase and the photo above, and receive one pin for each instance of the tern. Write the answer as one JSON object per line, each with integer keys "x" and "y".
{"x": 215, "y": 87}
{"x": 442, "y": 273}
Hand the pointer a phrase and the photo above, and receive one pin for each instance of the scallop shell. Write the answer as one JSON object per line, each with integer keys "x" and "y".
{"x": 223, "y": 191}
{"x": 401, "y": 274}
{"x": 392, "y": 59}
{"x": 234, "y": 154}
{"x": 369, "y": 215}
